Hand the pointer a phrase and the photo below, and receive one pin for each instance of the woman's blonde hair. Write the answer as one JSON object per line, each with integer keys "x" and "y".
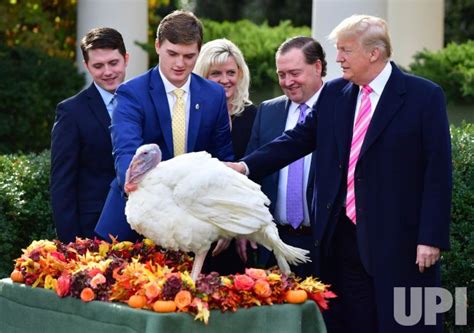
{"x": 216, "y": 52}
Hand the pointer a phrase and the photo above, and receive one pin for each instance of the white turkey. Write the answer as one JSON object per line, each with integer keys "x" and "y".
{"x": 192, "y": 200}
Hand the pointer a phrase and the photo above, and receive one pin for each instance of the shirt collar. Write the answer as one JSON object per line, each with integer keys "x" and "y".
{"x": 106, "y": 96}
{"x": 169, "y": 87}
{"x": 381, "y": 80}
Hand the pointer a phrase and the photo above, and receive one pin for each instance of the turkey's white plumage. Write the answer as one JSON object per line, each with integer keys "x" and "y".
{"x": 192, "y": 200}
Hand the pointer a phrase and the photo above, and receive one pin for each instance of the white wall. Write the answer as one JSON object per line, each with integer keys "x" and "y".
{"x": 415, "y": 25}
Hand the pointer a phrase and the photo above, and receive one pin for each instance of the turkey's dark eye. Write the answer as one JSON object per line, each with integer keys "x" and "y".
{"x": 145, "y": 153}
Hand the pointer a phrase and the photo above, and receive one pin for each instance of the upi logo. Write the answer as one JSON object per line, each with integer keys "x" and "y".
{"x": 436, "y": 301}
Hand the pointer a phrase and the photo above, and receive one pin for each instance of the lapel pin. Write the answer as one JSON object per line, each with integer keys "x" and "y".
{"x": 196, "y": 106}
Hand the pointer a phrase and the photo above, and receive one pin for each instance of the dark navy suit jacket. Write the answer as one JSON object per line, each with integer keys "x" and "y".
{"x": 143, "y": 116}
{"x": 269, "y": 124}
{"x": 403, "y": 177}
{"x": 81, "y": 164}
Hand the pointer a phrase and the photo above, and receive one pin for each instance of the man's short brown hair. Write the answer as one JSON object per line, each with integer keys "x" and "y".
{"x": 102, "y": 38}
{"x": 180, "y": 27}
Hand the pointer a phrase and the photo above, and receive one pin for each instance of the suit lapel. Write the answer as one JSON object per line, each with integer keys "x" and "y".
{"x": 278, "y": 117}
{"x": 194, "y": 114}
{"x": 158, "y": 95}
{"x": 388, "y": 105}
{"x": 344, "y": 118}
{"x": 98, "y": 108}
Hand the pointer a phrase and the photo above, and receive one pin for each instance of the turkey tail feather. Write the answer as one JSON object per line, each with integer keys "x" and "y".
{"x": 284, "y": 253}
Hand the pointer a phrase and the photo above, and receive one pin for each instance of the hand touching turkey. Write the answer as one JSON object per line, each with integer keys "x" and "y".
{"x": 192, "y": 200}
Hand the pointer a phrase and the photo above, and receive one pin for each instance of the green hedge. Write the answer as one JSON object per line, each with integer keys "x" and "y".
{"x": 258, "y": 43}
{"x": 32, "y": 84}
{"x": 458, "y": 264}
{"x": 452, "y": 68}
{"x": 25, "y": 212}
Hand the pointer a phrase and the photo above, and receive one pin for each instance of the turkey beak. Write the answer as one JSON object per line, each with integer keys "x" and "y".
{"x": 133, "y": 166}
{"x": 132, "y": 171}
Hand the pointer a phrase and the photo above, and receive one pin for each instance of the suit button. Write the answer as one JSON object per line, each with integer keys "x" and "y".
{"x": 328, "y": 206}
{"x": 316, "y": 243}
{"x": 340, "y": 166}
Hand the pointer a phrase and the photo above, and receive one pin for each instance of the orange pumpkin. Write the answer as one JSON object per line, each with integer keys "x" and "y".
{"x": 137, "y": 301}
{"x": 16, "y": 276}
{"x": 296, "y": 296}
{"x": 164, "y": 306}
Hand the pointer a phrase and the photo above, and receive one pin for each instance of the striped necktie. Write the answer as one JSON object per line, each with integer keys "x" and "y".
{"x": 179, "y": 123}
{"x": 360, "y": 129}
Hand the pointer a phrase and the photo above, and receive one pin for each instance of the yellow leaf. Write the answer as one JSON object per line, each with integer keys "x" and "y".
{"x": 103, "y": 249}
{"x": 50, "y": 282}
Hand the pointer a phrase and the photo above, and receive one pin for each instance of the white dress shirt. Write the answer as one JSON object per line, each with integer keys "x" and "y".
{"x": 169, "y": 88}
{"x": 377, "y": 85}
{"x": 108, "y": 98}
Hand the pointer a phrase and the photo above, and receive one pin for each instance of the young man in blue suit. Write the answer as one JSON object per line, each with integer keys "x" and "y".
{"x": 81, "y": 150}
{"x": 301, "y": 65}
{"x": 169, "y": 106}
{"x": 383, "y": 180}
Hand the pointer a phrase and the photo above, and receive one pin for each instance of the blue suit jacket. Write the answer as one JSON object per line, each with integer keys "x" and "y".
{"x": 81, "y": 164}
{"x": 403, "y": 177}
{"x": 269, "y": 124}
{"x": 143, "y": 116}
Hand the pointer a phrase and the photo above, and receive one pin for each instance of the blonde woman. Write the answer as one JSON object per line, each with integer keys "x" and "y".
{"x": 221, "y": 61}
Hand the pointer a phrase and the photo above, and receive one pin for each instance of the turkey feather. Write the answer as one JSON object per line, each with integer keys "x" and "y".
{"x": 192, "y": 200}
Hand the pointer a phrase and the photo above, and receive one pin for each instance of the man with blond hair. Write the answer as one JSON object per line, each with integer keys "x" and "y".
{"x": 383, "y": 180}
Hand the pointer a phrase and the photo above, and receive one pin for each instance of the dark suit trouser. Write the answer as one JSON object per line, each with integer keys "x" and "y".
{"x": 354, "y": 309}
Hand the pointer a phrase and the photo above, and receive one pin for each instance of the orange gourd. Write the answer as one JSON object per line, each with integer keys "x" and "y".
{"x": 16, "y": 276}
{"x": 164, "y": 306}
{"x": 296, "y": 296}
{"x": 137, "y": 301}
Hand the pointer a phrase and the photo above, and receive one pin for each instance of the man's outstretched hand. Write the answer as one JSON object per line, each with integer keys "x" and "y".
{"x": 237, "y": 166}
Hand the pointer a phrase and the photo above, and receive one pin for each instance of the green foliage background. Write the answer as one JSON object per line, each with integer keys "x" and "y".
{"x": 31, "y": 86}
{"x": 452, "y": 68}
{"x": 458, "y": 22}
{"x": 458, "y": 264}
{"x": 46, "y": 25}
{"x": 25, "y": 213}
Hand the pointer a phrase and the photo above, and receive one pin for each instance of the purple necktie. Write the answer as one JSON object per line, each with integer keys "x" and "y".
{"x": 294, "y": 187}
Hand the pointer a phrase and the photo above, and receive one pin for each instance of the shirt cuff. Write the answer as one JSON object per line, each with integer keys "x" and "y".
{"x": 247, "y": 172}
